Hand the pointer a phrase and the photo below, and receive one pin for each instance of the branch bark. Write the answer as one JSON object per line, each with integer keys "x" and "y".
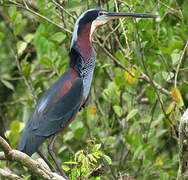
{"x": 9, "y": 175}
{"x": 35, "y": 166}
{"x": 183, "y": 147}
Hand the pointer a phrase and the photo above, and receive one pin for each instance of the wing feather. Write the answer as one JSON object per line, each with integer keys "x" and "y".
{"x": 62, "y": 111}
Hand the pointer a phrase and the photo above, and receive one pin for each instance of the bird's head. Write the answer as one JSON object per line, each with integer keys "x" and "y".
{"x": 91, "y": 19}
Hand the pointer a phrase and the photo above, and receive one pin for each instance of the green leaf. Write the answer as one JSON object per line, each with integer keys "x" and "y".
{"x": 7, "y": 84}
{"x": 97, "y": 154}
{"x": 58, "y": 37}
{"x": 161, "y": 132}
{"x": 170, "y": 107}
{"x": 18, "y": 28}
{"x": 65, "y": 168}
{"x": 137, "y": 152}
{"x": 167, "y": 76}
{"x": 92, "y": 158}
{"x": 118, "y": 110}
{"x": 128, "y": 139}
{"x": 11, "y": 11}
{"x": 150, "y": 94}
{"x": 76, "y": 125}
{"x": 15, "y": 126}
{"x": 108, "y": 159}
{"x": 21, "y": 46}
{"x": 96, "y": 147}
{"x": 29, "y": 37}
{"x": 46, "y": 61}
{"x": 79, "y": 133}
{"x": 175, "y": 57}
{"x": 2, "y": 35}
{"x": 132, "y": 114}
{"x": 71, "y": 162}
{"x": 26, "y": 70}
{"x": 107, "y": 65}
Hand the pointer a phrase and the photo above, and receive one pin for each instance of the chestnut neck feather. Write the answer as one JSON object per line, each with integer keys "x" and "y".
{"x": 84, "y": 42}
{"x": 81, "y": 51}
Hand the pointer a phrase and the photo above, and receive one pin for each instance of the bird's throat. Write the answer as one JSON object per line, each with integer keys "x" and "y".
{"x": 84, "y": 43}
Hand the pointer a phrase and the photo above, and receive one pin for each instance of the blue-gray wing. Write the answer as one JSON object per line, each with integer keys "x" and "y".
{"x": 61, "y": 110}
{"x": 54, "y": 111}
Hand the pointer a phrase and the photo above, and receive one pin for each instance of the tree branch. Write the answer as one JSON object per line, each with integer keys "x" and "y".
{"x": 143, "y": 76}
{"x": 183, "y": 147}
{"x": 35, "y": 166}
{"x": 179, "y": 64}
{"x": 25, "y": 7}
{"x": 9, "y": 175}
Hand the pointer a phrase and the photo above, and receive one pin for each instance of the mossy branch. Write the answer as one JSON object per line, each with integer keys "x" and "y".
{"x": 35, "y": 166}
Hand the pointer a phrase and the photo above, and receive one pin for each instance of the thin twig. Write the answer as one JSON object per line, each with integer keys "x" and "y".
{"x": 110, "y": 33}
{"x": 39, "y": 15}
{"x": 113, "y": 58}
{"x": 146, "y": 72}
{"x": 169, "y": 8}
{"x": 179, "y": 64}
{"x": 27, "y": 82}
{"x": 13, "y": 102}
{"x": 143, "y": 76}
{"x": 121, "y": 22}
{"x": 63, "y": 9}
{"x": 180, "y": 11}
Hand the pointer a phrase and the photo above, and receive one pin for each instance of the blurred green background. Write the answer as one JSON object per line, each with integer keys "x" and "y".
{"x": 130, "y": 125}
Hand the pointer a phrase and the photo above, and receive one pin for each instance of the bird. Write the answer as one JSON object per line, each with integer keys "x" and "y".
{"x": 59, "y": 105}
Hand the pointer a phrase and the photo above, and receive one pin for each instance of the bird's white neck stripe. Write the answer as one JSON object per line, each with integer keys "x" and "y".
{"x": 76, "y": 26}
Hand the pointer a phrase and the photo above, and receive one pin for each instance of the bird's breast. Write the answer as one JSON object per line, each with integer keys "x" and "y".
{"x": 87, "y": 71}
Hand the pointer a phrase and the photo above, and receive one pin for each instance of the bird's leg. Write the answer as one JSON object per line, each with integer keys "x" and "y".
{"x": 50, "y": 150}
{"x": 46, "y": 161}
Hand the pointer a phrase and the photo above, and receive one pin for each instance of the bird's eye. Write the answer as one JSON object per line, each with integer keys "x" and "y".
{"x": 100, "y": 13}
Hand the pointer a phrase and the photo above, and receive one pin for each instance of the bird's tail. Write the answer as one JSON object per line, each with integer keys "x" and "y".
{"x": 29, "y": 142}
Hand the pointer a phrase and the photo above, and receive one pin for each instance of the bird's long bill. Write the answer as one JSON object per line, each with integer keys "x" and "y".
{"x": 136, "y": 15}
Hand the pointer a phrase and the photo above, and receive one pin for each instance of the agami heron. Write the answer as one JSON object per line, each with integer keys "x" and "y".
{"x": 60, "y": 103}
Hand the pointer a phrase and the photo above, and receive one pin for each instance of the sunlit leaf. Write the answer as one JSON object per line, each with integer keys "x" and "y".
{"x": 132, "y": 114}
{"x": 7, "y": 84}
{"x": 107, "y": 65}
{"x": 108, "y": 159}
{"x": 21, "y": 46}
{"x": 65, "y": 168}
{"x": 170, "y": 108}
{"x": 175, "y": 57}
{"x": 97, "y": 147}
{"x": 159, "y": 163}
{"x": 92, "y": 110}
{"x": 176, "y": 95}
{"x": 71, "y": 162}
{"x": 118, "y": 110}
{"x": 29, "y": 37}
{"x": 129, "y": 77}
{"x": 46, "y": 61}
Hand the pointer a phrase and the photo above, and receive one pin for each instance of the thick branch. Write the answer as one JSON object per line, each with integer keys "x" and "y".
{"x": 9, "y": 175}
{"x": 183, "y": 147}
{"x": 34, "y": 166}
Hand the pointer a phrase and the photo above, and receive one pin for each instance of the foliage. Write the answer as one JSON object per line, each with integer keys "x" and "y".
{"x": 130, "y": 122}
